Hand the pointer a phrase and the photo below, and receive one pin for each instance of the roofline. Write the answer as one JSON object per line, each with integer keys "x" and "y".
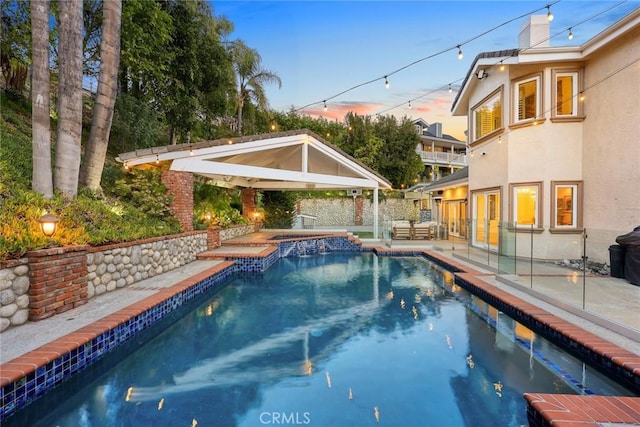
{"x": 532, "y": 55}
{"x": 123, "y": 157}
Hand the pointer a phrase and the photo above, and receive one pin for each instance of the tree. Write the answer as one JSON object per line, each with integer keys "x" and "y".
{"x": 398, "y": 160}
{"x": 42, "y": 181}
{"x": 279, "y": 209}
{"x": 250, "y": 78}
{"x": 14, "y": 43}
{"x": 98, "y": 141}
{"x": 67, "y": 164}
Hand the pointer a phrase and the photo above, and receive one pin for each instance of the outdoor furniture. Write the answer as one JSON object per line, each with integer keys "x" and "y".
{"x": 422, "y": 231}
{"x": 402, "y": 232}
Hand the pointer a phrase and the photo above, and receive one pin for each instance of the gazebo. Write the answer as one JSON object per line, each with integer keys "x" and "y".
{"x": 293, "y": 160}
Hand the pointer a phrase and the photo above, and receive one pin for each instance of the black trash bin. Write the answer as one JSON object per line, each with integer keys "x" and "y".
{"x": 616, "y": 260}
{"x": 631, "y": 244}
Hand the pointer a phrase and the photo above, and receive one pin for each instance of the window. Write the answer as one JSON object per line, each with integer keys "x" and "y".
{"x": 566, "y": 205}
{"x": 526, "y": 205}
{"x": 487, "y": 116}
{"x": 566, "y": 90}
{"x": 527, "y": 99}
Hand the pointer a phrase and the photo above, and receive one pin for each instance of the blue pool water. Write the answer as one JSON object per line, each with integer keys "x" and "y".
{"x": 329, "y": 340}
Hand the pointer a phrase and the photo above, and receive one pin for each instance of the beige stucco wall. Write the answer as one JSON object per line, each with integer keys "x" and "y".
{"x": 611, "y": 154}
{"x": 602, "y": 151}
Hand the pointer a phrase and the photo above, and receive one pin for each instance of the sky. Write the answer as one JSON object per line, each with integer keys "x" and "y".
{"x": 340, "y": 51}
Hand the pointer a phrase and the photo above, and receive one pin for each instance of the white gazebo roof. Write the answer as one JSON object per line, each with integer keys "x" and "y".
{"x": 293, "y": 160}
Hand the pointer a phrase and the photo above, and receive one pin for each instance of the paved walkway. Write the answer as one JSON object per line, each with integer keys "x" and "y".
{"x": 612, "y": 306}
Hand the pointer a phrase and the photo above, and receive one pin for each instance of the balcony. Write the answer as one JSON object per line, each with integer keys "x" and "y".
{"x": 442, "y": 158}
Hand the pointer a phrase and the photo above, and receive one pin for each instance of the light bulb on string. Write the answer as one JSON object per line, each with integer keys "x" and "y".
{"x": 549, "y": 14}
{"x": 409, "y": 105}
{"x": 570, "y": 36}
{"x": 459, "y": 52}
{"x": 157, "y": 159}
{"x": 450, "y": 88}
{"x": 386, "y": 82}
{"x": 501, "y": 66}
{"x": 325, "y": 105}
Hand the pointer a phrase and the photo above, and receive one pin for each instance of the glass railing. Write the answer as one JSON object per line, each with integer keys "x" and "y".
{"x": 575, "y": 269}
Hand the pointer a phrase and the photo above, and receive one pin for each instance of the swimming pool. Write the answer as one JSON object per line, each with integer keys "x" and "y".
{"x": 330, "y": 340}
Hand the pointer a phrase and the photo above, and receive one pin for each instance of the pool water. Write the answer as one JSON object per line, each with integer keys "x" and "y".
{"x": 328, "y": 340}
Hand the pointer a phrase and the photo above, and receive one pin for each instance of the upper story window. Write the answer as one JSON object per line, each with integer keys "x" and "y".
{"x": 566, "y": 91}
{"x": 527, "y": 99}
{"x": 487, "y": 115}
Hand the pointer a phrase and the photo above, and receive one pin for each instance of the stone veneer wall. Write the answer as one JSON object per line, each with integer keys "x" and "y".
{"x": 341, "y": 212}
{"x": 14, "y": 297}
{"x": 107, "y": 268}
{"x": 116, "y": 266}
{"x": 237, "y": 231}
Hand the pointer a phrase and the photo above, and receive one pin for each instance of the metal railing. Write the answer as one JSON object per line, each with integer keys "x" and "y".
{"x": 444, "y": 158}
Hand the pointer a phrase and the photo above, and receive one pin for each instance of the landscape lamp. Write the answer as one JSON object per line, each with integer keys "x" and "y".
{"x": 48, "y": 224}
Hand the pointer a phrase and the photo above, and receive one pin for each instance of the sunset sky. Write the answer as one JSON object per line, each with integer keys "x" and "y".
{"x": 322, "y": 48}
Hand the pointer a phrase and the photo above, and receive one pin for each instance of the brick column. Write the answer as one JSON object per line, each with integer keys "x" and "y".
{"x": 180, "y": 185}
{"x": 58, "y": 280}
{"x": 249, "y": 202}
{"x": 213, "y": 238}
{"x": 359, "y": 210}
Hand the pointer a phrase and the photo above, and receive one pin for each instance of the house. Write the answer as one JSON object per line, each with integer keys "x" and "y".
{"x": 554, "y": 141}
{"x": 441, "y": 154}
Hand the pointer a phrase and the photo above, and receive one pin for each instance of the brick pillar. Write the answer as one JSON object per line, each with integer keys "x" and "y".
{"x": 249, "y": 202}
{"x": 213, "y": 238}
{"x": 359, "y": 210}
{"x": 58, "y": 280}
{"x": 180, "y": 185}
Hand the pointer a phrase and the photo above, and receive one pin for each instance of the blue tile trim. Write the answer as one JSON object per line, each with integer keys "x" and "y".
{"x": 19, "y": 394}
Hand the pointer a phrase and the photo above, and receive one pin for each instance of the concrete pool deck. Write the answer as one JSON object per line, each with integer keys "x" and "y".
{"x": 618, "y": 310}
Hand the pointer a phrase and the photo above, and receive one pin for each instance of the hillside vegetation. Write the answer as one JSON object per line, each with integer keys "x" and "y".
{"x": 132, "y": 205}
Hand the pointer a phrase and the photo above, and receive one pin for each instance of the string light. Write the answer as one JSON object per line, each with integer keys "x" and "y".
{"x": 581, "y": 96}
{"x": 126, "y": 166}
{"x": 459, "y": 52}
{"x": 409, "y": 105}
{"x": 459, "y": 46}
{"x": 570, "y": 36}
{"x": 190, "y": 151}
{"x": 450, "y": 88}
{"x": 157, "y": 159}
{"x": 549, "y": 14}
{"x": 386, "y": 82}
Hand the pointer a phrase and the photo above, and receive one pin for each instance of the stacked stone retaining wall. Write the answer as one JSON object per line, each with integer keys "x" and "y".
{"x": 341, "y": 212}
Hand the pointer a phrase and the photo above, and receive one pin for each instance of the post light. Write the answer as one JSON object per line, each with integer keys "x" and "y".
{"x": 48, "y": 224}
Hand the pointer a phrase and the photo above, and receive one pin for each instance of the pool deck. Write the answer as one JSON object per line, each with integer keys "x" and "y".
{"x": 613, "y": 317}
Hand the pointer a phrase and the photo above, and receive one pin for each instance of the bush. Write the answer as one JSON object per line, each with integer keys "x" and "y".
{"x": 279, "y": 209}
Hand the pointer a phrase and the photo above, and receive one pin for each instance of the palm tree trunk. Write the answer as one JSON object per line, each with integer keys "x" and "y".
{"x": 96, "y": 146}
{"x": 67, "y": 165}
{"x": 42, "y": 178}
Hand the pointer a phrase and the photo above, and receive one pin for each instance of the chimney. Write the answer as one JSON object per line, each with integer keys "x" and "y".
{"x": 436, "y": 130}
{"x": 534, "y": 32}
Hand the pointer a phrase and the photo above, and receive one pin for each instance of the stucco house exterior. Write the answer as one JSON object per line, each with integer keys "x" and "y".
{"x": 554, "y": 141}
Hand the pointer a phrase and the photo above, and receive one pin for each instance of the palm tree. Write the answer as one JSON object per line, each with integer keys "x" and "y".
{"x": 42, "y": 181}
{"x": 96, "y": 146}
{"x": 250, "y": 78}
{"x": 67, "y": 165}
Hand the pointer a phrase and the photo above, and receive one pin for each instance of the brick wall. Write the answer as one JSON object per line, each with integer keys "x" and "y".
{"x": 58, "y": 278}
{"x": 180, "y": 185}
{"x": 249, "y": 196}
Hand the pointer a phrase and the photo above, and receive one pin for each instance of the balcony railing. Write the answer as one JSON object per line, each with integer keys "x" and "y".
{"x": 442, "y": 158}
